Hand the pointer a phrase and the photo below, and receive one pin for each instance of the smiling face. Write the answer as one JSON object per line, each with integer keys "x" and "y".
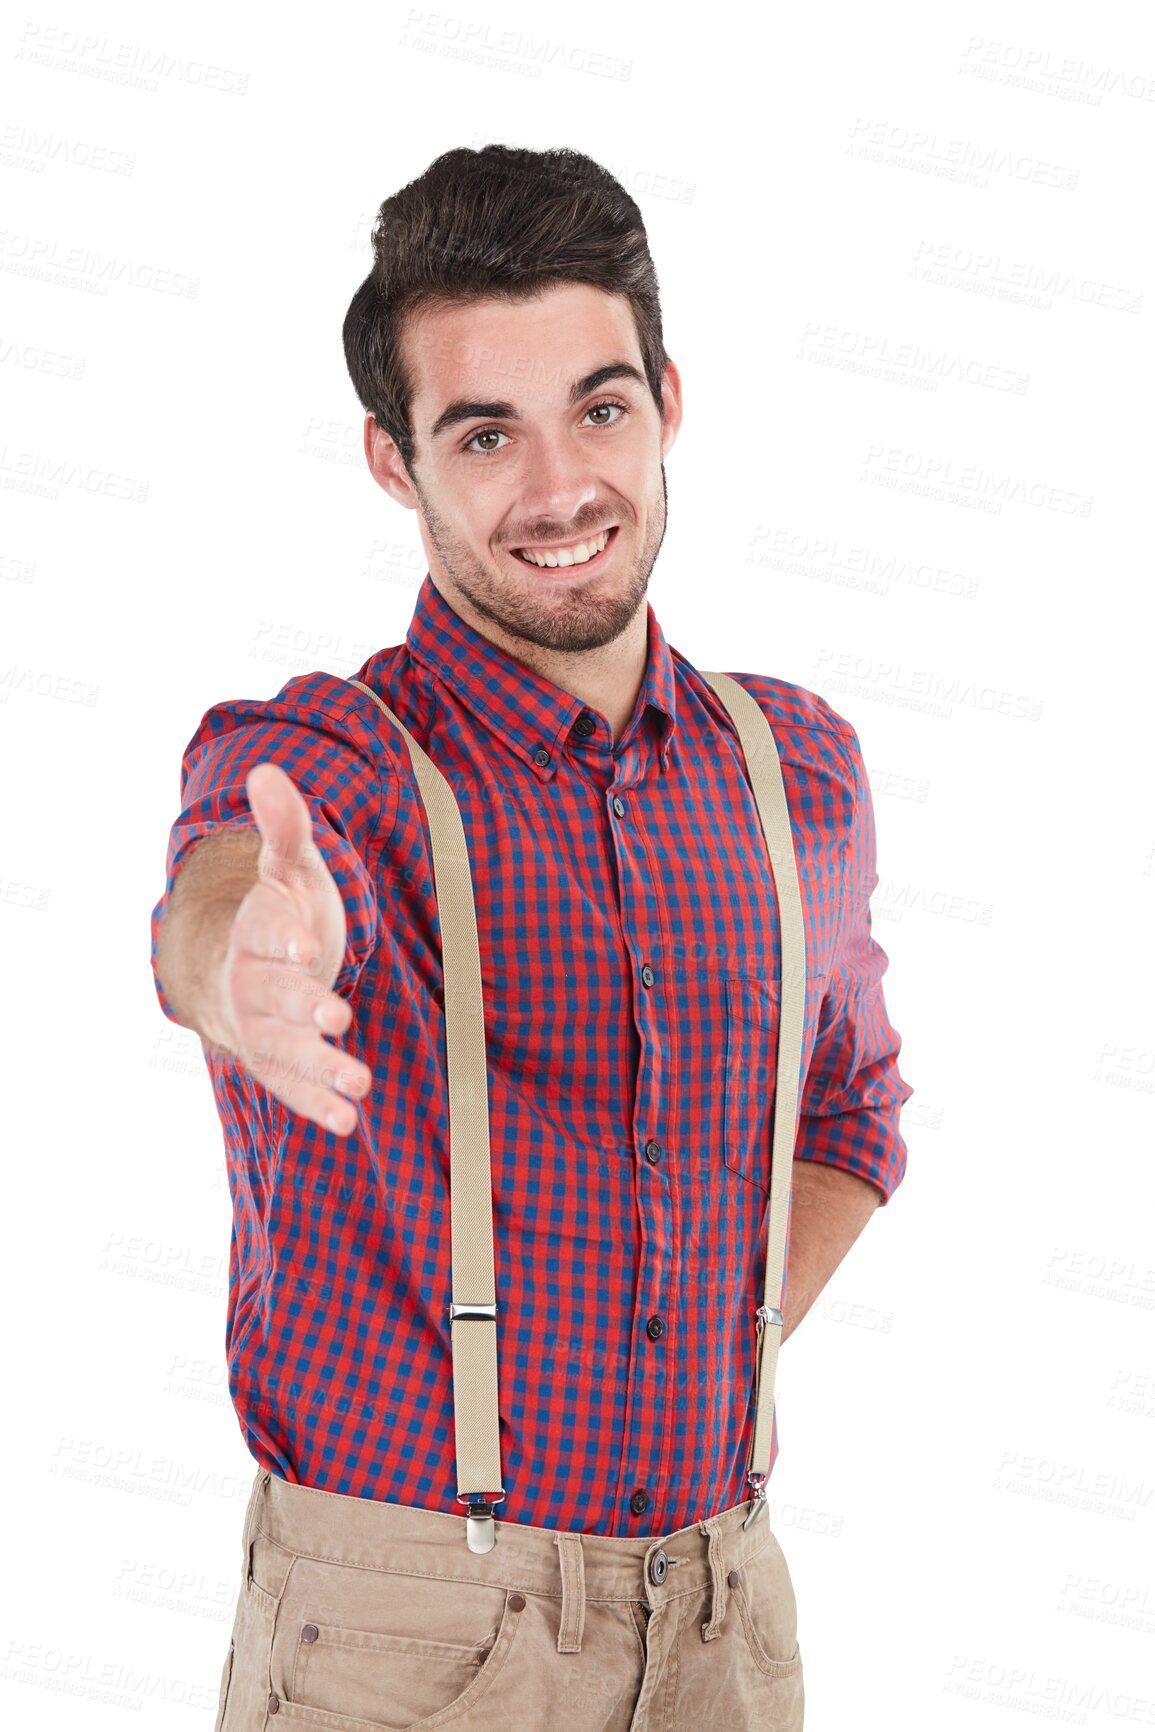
{"x": 535, "y": 430}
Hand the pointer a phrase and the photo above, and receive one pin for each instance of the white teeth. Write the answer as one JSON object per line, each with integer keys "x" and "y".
{"x": 568, "y": 556}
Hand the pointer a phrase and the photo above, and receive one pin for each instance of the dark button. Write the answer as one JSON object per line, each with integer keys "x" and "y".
{"x": 653, "y": 1151}
{"x": 619, "y": 806}
{"x": 659, "y": 1565}
{"x": 647, "y": 975}
{"x": 584, "y": 726}
{"x": 541, "y": 756}
{"x": 273, "y": 1704}
{"x": 309, "y": 1633}
{"x": 639, "y": 1503}
{"x": 516, "y": 1602}
{"x": 655, "y": 1327}
{"x": 733, "y": 1578}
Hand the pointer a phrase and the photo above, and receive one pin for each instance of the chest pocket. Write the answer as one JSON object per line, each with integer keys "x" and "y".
{"x": 749, "y": 1077}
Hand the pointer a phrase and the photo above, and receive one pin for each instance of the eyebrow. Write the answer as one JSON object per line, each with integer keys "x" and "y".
{"x": 468, "y": 409}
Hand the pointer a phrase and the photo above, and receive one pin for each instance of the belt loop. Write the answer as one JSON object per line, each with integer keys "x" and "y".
{"x": 573, "y": 1593}
{"x": 259, "y": 1483}
{"x": 717, "y": 1578}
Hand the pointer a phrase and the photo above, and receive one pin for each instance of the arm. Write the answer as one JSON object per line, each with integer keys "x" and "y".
{"x": 256, "y": 976}
{"x": 269, "y": 911}
{"x": 850, "y": 1156}
{"x": 214, "y": 843}
{"x": 218, "y": 874}
{"x": 828, "y": 1210}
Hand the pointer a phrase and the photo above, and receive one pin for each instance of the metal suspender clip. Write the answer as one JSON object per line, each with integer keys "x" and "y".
{"x": 765, "y": 1314}
{"x": 758, "y": 1481}
{"x": 480, "y": 1532}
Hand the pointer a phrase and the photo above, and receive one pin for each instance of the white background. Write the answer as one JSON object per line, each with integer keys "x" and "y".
{"x": 906, "y": 271}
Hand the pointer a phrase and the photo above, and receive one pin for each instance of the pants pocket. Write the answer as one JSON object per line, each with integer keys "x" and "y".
{"x": 374, "y": 1649}
{"x": 769, "y": 1611}
{"x": 359, "y": 1672}
{"x": 245, "y": 1675}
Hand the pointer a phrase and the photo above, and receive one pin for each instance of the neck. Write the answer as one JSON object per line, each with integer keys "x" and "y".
{"x": 606, "y": 679}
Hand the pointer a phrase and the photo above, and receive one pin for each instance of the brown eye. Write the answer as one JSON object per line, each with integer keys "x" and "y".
{"x": 598, "y": 406}
{"x": 485, "y": 433}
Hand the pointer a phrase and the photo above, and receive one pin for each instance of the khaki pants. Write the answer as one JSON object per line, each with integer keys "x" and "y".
{"x": 355, "y": 1615}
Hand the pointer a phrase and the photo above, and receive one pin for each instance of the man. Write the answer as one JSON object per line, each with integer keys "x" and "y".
{"x": 620, "y": 906}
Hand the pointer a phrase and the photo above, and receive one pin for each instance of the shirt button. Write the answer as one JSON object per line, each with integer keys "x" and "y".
{"x": 659, "y": 1566}
{"x": 655, "y": 1327}
{"x": 647, "y": 975}
{"x": 733, "y": 1578}
{"x": 619, "y": 806}
{"x": 584, "y": 726}
{"x": 639, "y": 1503}
{"x": 516, "y": 1602}
{"x": 541, "y": 756}
{"x": 653, "y": 1152}
{"x": 309, "y": 1633}
{"x": 273, "y": 1704}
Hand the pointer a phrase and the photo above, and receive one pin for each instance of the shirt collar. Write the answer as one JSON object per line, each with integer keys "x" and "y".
{"x": 527, "y": 711}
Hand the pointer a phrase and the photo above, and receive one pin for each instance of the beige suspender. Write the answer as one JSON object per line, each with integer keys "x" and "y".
{"x": 473, "y": 1308}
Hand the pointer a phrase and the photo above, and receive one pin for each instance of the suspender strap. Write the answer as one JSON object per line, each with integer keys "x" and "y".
{"x": 765, "y": 771}
{"x": 473, "y": 1309}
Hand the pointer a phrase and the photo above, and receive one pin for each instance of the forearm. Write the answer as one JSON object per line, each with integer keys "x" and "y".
{"x": 210, "y": 886}
{"x": 828, "y": 1210}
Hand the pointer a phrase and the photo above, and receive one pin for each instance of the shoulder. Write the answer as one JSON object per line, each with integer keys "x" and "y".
{"x": 807, "y": 729}
{"x": 312, "y": 713}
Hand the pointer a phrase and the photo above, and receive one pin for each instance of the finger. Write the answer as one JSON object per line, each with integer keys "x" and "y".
{"x": 332, "y": 1014}
{"x": 263, "y": 994}
{"x": 312, "y": 1078}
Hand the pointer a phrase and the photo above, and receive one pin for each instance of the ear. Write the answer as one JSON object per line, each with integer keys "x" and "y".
{"x": 672, "y": 404}
{"x": 386, "y": 464}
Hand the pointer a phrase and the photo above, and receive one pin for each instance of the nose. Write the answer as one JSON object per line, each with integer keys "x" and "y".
{"x": 557, "y": 487}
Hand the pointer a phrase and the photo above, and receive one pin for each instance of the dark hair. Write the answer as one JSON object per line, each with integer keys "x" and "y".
{"x": 494, "y": 223}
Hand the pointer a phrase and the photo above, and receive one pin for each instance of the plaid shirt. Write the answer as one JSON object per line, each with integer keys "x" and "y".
{"x": 629, "y": 941}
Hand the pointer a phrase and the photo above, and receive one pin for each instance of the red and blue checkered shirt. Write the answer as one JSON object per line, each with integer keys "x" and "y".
{"x": 629, "y": 951}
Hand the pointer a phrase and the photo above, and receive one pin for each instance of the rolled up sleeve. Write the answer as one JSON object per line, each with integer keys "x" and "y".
{"x": 853, "y": 1092}
{"x": 327, "y": 753}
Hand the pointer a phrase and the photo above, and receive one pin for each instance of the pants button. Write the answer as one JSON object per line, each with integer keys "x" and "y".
{"x": 659, "y": 1564}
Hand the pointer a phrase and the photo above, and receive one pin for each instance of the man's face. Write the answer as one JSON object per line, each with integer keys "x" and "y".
{"x": 508, "y": 458}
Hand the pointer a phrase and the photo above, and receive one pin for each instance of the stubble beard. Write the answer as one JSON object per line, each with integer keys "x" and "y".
{"x": 569, "y": 620}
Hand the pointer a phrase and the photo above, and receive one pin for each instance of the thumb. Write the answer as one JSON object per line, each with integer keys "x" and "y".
{"x": 289, "y": 854}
